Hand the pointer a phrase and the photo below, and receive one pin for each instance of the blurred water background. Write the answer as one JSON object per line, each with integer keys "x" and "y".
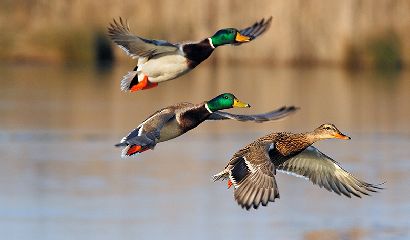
{"x": 62, "y": 111}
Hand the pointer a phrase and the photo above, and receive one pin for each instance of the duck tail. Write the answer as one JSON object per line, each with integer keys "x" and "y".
{"x": 133, "y": 77}
{"x": 129, "y": 80}
{"x": 223, "y": 175}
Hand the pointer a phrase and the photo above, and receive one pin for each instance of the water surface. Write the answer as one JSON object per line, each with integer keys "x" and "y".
{"x": 61, "y": 177}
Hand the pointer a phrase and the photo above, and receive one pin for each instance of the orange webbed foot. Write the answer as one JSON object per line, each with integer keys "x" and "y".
{"x": 144, "y": 84}
{"x": 135, "y": 149}
{"x": 229, "y": 183}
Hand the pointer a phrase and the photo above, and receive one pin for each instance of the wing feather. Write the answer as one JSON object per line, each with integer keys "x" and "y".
{"x": 135, "y": 46}
{"x": 269, "y": 116}
{"x": 259, "y": 184}
{"x": 325, "y": 172}
{"x": 257, "y": 29}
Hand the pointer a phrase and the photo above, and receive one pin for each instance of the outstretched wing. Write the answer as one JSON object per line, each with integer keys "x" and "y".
{"x": 136, "y": 46}
{"x": 257, "y": 29}
{"x": 269, "y": 116}
{"x": 253, "y": 179}
{"x": 325, "y": 172}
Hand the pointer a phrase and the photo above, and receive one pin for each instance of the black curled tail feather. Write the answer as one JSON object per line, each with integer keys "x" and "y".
{"x": 121, "y": 144}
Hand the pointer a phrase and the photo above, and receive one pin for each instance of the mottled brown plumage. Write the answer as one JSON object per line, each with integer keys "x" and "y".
{"x": 251, "y": 170}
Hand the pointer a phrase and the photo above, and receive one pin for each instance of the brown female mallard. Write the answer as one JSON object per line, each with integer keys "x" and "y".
{"x": 252, "y": 169}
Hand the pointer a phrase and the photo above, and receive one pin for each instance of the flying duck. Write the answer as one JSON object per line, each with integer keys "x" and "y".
{"x": 252, "y": 169}
{"x": 159, "y": 60}
{"x": 175, "y": 120}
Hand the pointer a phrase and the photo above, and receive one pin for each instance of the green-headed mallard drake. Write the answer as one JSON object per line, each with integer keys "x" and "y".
{"x": 159, "y": 60}
{"x": 175, "y": 120}
{"x": 252, "y": 169}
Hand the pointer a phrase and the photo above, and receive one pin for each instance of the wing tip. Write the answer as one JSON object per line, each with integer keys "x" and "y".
{"x": 254, "y": 203}
{"x": 294, "y": 108}
{"x": 289, "y": 109}
{"x": 118, "y": 27}
{"x": 379, "y": 184}
{"x": 269, "y": 20}
{"x": 280, "y": 113}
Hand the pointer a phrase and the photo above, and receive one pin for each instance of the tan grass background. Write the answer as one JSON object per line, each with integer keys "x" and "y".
{"x": 303, "y": 31}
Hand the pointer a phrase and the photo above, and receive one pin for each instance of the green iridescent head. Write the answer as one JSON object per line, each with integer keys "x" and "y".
{"x": 228, "y": 36}
{"x": 225, "y": 101}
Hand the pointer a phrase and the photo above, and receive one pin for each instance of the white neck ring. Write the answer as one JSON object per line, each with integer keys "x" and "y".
{"x": 207, "y": 108}
{"x": 210, "y": 42}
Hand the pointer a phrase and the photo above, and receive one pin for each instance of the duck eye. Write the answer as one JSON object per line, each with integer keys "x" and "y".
{"x": 226, "y": 97}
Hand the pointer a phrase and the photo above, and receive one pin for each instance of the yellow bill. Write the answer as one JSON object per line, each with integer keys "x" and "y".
{"x": 242, "y": 38}
{"x": 239, "y": 104}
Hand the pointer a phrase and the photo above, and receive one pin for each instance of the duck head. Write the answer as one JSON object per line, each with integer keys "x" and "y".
{"x": 328, "y": 130}
{"x": 228, "y": 36}
{"x": 225, "y": 101}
